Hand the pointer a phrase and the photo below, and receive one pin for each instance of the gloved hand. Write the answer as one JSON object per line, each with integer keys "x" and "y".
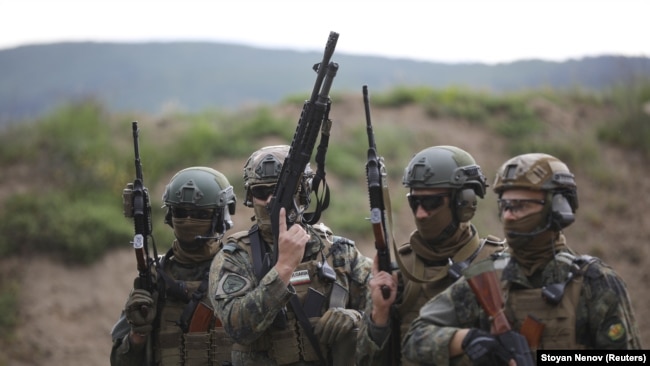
{"x": 336, "y": 323}
{"x": 140, "y": 311}
{"x": 480, "y": 346}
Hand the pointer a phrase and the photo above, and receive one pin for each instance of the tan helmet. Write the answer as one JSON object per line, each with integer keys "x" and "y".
{"x": 264, "y": 167}
{"x": 542, "y": 172}
{"x": 534, "y": 171}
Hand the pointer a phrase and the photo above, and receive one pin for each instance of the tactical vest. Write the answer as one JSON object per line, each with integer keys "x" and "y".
{"x": 417, "y": 293}
{"x": 208, "y": 347}
{"x": 290, "y": 344}
{"x": 559, "y": 320}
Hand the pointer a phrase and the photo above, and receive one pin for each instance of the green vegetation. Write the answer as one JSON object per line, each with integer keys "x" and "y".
{"x": 64, "y": 173}
{"x": 86, "y": 155}
{"x": 630, "y": 128}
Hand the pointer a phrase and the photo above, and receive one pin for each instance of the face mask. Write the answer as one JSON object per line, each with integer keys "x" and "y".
{"x": 187, "y": 229}
{"x": 263, "y": 218}
{"x": 433, "y": 225}
{"x": 533, "y": 251}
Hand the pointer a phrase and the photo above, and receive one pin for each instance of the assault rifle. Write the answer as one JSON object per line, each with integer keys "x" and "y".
{"x": 314, "y": 115}
{"x": 377, "y": 188}
{"x": 135, "y": 199}
{"x": 379, "y": 210}
{"x": 484, "y": 283}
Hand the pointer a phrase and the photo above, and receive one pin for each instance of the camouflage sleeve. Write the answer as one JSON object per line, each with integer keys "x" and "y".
{"x": 350, "y": 260}
{"x": 123, "y": 353}
{"x": 360, "y": 270}
{"x": 609, "y": 315}
{"x": 371, "y": 341}
{"x": 427, "y": 340}
{"x": 246, "y": 308}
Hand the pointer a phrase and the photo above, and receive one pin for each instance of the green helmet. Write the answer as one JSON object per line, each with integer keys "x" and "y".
{"x": 448, "y": 167}
{"x": 264, "y": 167}
{"x": 200, "y": 188}
{"x": 534, "y": 171}
{"x": 444, "y": 167}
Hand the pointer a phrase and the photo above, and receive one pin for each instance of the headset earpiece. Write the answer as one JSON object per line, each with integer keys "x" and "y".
{"x": 562, "y": 212}
{"x": 168, "y": 217}
{"x": 465, "y": 204}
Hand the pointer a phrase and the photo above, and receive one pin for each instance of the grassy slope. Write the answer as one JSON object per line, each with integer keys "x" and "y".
{"x": 491, "y": 128}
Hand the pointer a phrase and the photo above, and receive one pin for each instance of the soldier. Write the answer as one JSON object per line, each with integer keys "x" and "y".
{"x": 579, "y": 300}
{"x": 444, "y": 183}
{"x": 305, "y": 309}
{"x": 175, "y": 324}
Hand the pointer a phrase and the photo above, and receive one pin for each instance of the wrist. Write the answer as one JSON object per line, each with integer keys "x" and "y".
{"x": 379, "y": 316}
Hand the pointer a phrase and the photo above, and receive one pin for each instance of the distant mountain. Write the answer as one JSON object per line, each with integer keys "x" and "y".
{"x": 150, "y": 77}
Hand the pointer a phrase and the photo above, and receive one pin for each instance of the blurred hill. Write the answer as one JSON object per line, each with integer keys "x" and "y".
{"x": 190, "y": 76}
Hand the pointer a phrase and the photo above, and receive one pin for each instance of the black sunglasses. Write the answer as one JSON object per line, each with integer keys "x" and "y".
{"x": 262, "y": 192}
{"x": 428, "y": 202}
{"x": 204, "y": 214}
{"x": 516, "y": 206}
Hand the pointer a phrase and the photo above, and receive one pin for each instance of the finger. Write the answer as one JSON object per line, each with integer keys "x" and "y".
{"x": 375, "y": 265}
{"x": 282, "y": 220}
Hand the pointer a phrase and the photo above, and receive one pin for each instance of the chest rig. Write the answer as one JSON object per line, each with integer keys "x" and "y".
{"x": 188, "y": 332}
{"x": 553, "y": 305}
{"x": 423, "y": 280}
{"x": 318, "y": 285}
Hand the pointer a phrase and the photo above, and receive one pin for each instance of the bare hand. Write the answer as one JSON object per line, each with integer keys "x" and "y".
{"x": 291, "y": 247}
{"x": 381, "y": 306}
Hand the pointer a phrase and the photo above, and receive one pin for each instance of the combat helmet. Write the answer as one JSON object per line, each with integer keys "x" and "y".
{"x": 264, "y": 166}
{"x": 201, "y": 188}
{"x": 448, "y": 167}
{"x": 542, "y": 172}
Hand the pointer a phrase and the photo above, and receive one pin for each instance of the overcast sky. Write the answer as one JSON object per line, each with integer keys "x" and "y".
{"x": 488, "y": 31}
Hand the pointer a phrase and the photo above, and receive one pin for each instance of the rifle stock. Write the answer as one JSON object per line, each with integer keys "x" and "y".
{"x": 482, "y": 279}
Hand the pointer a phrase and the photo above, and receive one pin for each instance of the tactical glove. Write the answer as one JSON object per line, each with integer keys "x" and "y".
{"x": 140, "y": 311}
{"x": 479, "y": 346}
{"x": 336, "y": 323}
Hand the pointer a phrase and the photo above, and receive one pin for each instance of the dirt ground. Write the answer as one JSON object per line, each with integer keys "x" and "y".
{"x": 66, "y": 313}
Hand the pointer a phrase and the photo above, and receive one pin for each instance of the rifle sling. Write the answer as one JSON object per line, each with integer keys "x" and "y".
{"x": 322, "y": 202}
{"x": 261, "y": 266}
{"x": 261, "y": 260}
{"x": 306, "y": 325}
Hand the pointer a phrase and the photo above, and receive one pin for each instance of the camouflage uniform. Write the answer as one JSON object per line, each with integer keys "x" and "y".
{"x": 256, "y": 306}
{"x": 248, "y": 307}
{"x": 184, "y": 330}
{"x": 595, "y": 312}
{"x": 420, "y": 279}
{"x": 580, "y": 301}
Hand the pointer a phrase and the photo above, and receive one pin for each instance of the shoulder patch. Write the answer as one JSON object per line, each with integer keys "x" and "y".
{"x": 232, "y": 285}
{"x": 616, "y": 331}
